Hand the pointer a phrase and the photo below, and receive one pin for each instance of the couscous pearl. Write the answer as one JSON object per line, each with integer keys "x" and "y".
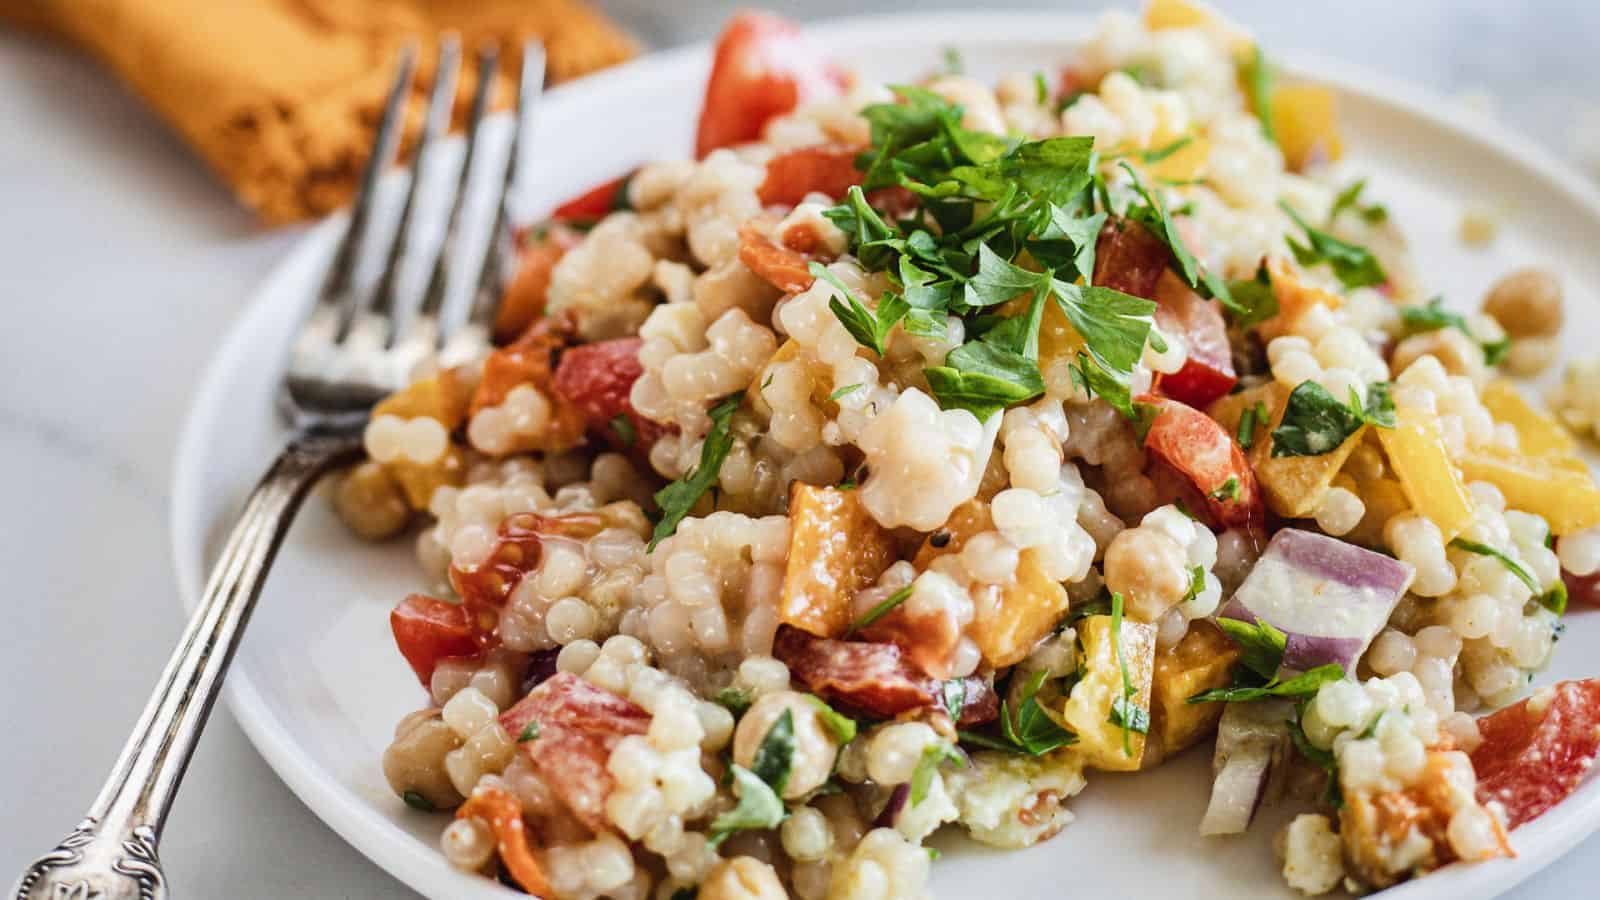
{"x": 468, "y": 844}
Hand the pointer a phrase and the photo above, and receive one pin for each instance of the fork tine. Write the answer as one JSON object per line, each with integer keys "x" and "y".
{"x": 501, "y": 252}
{"x": 440, "y": 101}
{"x": 337, "y": 282}
{"x": 433, "y": 298}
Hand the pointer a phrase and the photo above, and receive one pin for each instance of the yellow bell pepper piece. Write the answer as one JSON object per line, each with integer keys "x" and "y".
{"x": 1568, "y": 499}
{"x": 1430, "y": 479}
{"x": 1306, "y": 120}
{"x": 1538, "y": 432}
{"x": 1187, "y": 163}
{"x": 1293, "y": 485}
{"x": 1201, "y": 661}
{"x": 1162, "y": 14}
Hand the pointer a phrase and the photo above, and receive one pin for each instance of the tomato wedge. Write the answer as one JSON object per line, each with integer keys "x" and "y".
{"x": 595, "y": 203}
{"x": 1208, "y": 372}
{"x": 827, "y": 168}
{"x": 785, "y": 269}
{"x": 1536, "y": 752}
{"x": 1208, "y": 463}
{"x": 428, "y": 630}
{"x": 763, "y": 68}
{"x": 596, "y": 379}
{"x": 1128, "y": 258}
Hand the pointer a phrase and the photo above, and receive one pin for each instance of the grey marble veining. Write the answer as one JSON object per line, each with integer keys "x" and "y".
{"x": 122, "y": 263}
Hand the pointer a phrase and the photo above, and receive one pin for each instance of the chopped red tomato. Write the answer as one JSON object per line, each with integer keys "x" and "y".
{"x": 428, "y": 630}
{"x": 826, "y": 169}
{"x": 568, "y": 727}
{"x": 1219, "y": 482}
{"x": 876, "y": 678}
{"x": 786, "y": 269}
{"x": 1582, "y": 588}
{"x": 517, "y": 551}
{"x": 1128, "y": 258}
{"x": 596, "y": 379}
{"x": 502, "y": 812}
{"x": 1536, "y": 752}
{"x": 524, "y": 300}
{"x": 593, "y": 204}
{"x": 927, "y": 639}
{"x": 763, "y": 68}
{"x": 1208, "y": 372}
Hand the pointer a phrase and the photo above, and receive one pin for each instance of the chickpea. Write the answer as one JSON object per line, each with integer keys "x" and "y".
{"x": 1526, "y": 303}
{"x": 1149, "y": 569}
{"x": 369, "y": 501}
{"x": 814, "y": 749}
{"x": 414, "y": 763}
{"x": 1459, "y": 354}
{"x": 742, "y": 878}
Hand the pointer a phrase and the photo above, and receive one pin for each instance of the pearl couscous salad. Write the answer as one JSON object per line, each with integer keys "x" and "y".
{"x": 918, "y": 452}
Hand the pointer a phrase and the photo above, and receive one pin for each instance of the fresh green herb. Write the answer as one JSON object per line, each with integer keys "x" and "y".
{"x": 1433, "y": 316}
{"x": 1354, "y": 266}
{"x": 775, "y": 756}
{"x": 1254, "y": 300}
{"x": 953, "y": 64}
{"x": 954, "y": 694}
{"x": 933, "y": 853}
{"x": 677, "y": 498}
{"x": 530, "y": 732}
{"x": 1258, "y": 77}
{"x": 621, "y": 198}
{"x": 1249, "y": 420}
{"x": 737, "y": 700}
{"x": 1029, "y": 731}
{"x": 1555, "y": 599}
{"x": 1322, "y": 759}
{"x": 759, "y": 807}
{"x": 849, "y": 484}
{"x": 1124, "y": 711}
{"x": 1155, "y": 217}
{"x": 1197, "y": 584}
{"x": 1141, "y": 73}
{"x": 1262, "y": 644}
{"x": 841, "y": 726}
{"x": 622, "y": 426}
{"x": 933, "y": 755}
{"x": 1228, "y": 491}
{"x": 1156, "y": 155}
{"x": 767, "y": 382}
{"x": 1372, "y": 727}
{"x": 1523, "y": 575}
{"x": 883, "y": 608}
{"x": 1041, "y": 89}
{"x": 1304, "y": 685}
{"x": 1099, "y": 606}
{"x": 847, "y": 389}
{"x": 1350, "y": 199}
{"x": 1315, "y": 423}
{"x": 870, "y": 327}
{"x": 418, "y": 802}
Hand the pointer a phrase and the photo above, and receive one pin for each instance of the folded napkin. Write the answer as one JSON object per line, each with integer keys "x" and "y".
{"x": 281, "y": 97}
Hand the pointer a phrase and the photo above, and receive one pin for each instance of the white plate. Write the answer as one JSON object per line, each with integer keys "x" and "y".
{"x": 318, "y": 685}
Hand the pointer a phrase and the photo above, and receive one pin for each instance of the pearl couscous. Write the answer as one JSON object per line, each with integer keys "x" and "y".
{"x": 918, "y": 452}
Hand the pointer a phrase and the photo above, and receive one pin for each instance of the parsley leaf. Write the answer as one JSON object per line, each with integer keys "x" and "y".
{"x": 1350, "y": 199}
{"x": 1030, "y": 730}
{"x": 847, "y": 389}
{"x": 1249, "y": 420}
{"x": 1228, "y": 491}
{"x": 1555, "y": 599}
{"x": 759, "y": 807}
{"x": 1155, "y": 217}
{"x": 530, "y": 732}
{"x": 1124, "y": 711}
{"x": 1257, "y": 74}
{"x": 677, "y": 498}
{"x": 954, "y": 694}
{"x": 775, "y": 756}
{"x": 1262, "y": 644}
{"x": 1254, "y": 300}
{"x": 622, "y": 426}
{"x": 1523, "y": 575}
{"x": 736, "y": 700}
{"x": 933, "y": 755}
{"x": 998, "y": 280}
{"x": 870, "y": 327}
{"x": 1315, "y": 423}
{"x": 841, "y": 726}
{"x": 1304, "y": 685}
{"x": 882, "y": 609}
{"x": 1354, "y": 266}
{"x": 1433, "y": 316}
{"x": 1322, "y": 759}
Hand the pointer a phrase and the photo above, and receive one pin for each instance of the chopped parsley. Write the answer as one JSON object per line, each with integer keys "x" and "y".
{"x": 1315, "y": 423}
{"x": 737, "y": 700}
{"x": 1124, "y": 712}
{"x": 1160, "y": 222}
{"x": 933, "y": 755}
{"x": 760, "y": 787}
{"x": 881, "y": 609}
{"x": 418, "y": 802}
{"x": 1254, "y": 300}
{"x": 1197, "y": 583}
{"x": 1228, "y": 491}
{"x": 870, "y": 327}
{"x": 1433, "y": 316}
{"x": 954, "y": 694}
{"x": 1304, "y": 685}
{"x": 622, "y": 427}
{"x": 1353, "y": 265}
{"x": 1249, "y": 420}
{"x": 1030, "y": 730}
{"x": 1261, "y": 644}
{"x": 679, "y": 497}
{"x": 530, "y": 732}
{"x": 841, "y": 726}
{"x": 847, "y": 389}
{"x": 1322, "y": 759}
{"x": 1350, "y": 199}
{"x": 1257, "y": 74}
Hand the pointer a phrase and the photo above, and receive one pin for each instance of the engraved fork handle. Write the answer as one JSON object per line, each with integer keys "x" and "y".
{"x": 111, "y": 855}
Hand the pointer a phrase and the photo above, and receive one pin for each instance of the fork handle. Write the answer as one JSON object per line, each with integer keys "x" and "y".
{"x": 111, "y": 854}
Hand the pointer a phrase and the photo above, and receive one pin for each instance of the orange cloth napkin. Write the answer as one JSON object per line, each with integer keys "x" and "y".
{"x": 281, "y": 97}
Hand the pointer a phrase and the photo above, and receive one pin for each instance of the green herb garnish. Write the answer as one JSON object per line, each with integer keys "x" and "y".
{"x": 1029, "y": 731}
{"x": 1124, "y": 711}
{"x": 881, "y": 609}
{"x": 759, "y": 807}
{"x": 847, "y": 389}
{"x": 933, "y": 755}
{"x": 841, "y": 726}
{"x": 529, "y": 732}
{"x": 622, "y": 426}
{"x": 1262, "y": 645}
{"x": 1249, "y": 420}
{"x": 1257, "y": 74}
{"x": 1254, "y": 300}
{"x": 1350, "y": 199}
{"x": 679, "y": 497}
{"x": 737, "y": 700}
{"x": 418, "y": 802}
{"x": 1554, "y": 600}
{"x": 1433, "y": 316}
{"x": 1354, "y": 266}
{"x": 1304, "y": 685}
{"x": 1315, "y": 423}
{"x": 1228, "y": 491}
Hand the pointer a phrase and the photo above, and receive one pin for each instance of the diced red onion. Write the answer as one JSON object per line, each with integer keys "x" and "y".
{"x": 1251, "y": 741}
{"x": 891, "y": 810}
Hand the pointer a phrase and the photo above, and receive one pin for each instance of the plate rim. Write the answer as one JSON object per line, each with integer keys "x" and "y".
{"x": 387, "y": 845}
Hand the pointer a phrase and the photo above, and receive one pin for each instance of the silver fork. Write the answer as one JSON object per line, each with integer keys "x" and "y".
{"x": 353, "y": 349}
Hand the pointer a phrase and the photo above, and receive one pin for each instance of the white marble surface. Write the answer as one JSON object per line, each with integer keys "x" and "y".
{"x": 121, "y": 262}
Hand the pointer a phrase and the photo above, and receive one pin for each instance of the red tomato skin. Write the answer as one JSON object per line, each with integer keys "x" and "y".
{"x": 428, "y": 630}
{"x": 827, "y": 168}
{"x": 1208, "y": 372}
{"x": 784, "y": 268}
{"x": 597, "y": 379}
{"x": 1128, "y": 258}
{"x": 1583, "y": 589}
{"x": 592, "y": 204}
{"x": 1204, "y": 456}
{"x": 1534, "y": 755}
{"x": 763, "y": 68}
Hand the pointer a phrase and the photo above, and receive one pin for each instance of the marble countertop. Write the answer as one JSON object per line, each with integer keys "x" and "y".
{"x": 124, "y": 262}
